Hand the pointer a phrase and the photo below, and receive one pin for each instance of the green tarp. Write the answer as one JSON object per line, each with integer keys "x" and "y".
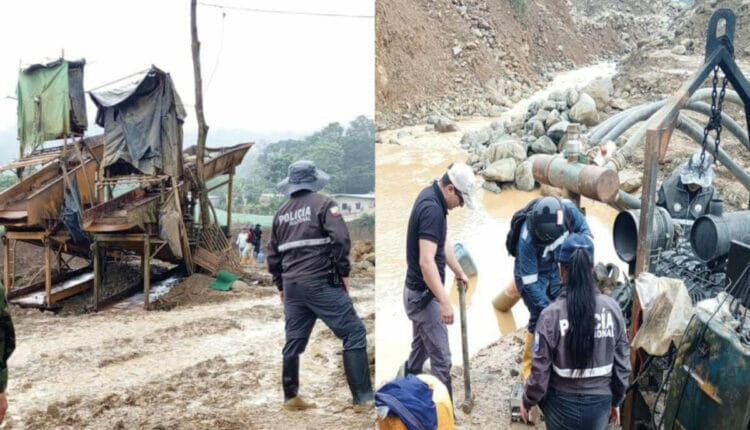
{"x": 43, "y": 105}
{"x": 224, "y": 280}
{"x": 51, "y": 103}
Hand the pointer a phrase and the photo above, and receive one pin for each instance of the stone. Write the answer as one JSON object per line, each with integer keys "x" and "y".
{"x": 496, "y": 110}
{"x": 679, "y": 50}
{"x": 557, "y": 96}
{"x": 561, "y": 106}
{"x": 433, "y": 119}
{"x": 538, "y": 128}
{"x": 402, "y": 134}
{"x": 619, "y": 104}
{"x": 429, "y": 127}
{"x": 571, "y": 96}
{"x": 497, "y": 125}
{"x": 475, "y": 139}
{"x": 549, "y": 105}
{"x": 552, "y": 118}
{"x": 477, "y": 32}
{"x": 501, "y": 170}
{"x": 543, "y": 145}
{"x": 506, "y": 148}
{"x": 456, "y": 50}
{"x": 533, "y": 108}
{"x": 584, "y": 111}
{"x": 524, "y": 177}
{"x": 492, "y": 187}
{"x": 378, "y": 138}
{"x": 630, "y": 180}
{"x": 445, "y": 125}
{"x": 600, "y": 90}
{"x": 394, "y": 142}
{"x": 557, "y": 130}
{"x": 549, "y": 190}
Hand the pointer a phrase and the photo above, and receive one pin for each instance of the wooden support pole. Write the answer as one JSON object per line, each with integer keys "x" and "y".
{"x": 6, "y": 264}
{"x": 183, "y": 232}
{"x": 229, "y": 204}
{"x": 47, "y": 272}
{"x": 97, "y": 275}
{"x": 146, "y": 263}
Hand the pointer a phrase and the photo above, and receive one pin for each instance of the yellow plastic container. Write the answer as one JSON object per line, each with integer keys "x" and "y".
{"x": 442, "y": 405}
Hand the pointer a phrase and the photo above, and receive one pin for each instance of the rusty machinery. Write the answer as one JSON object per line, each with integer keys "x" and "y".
{"x": 656, "y": 122}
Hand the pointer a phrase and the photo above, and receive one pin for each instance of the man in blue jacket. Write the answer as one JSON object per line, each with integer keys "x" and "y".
{"x": 536, "y": 273}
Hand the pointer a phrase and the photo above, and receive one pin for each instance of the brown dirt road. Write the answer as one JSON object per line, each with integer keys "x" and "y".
{"x": 200, "y": 365}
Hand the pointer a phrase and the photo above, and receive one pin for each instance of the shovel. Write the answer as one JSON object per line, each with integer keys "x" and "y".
{"x": 467, "y": 265}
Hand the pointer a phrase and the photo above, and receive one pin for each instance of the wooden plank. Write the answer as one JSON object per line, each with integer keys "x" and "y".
{"x": 146, "y": 262}
{"x": 207, "y": 260}
{"x": 60, "y": 291}
{"x": 97, "y": 276}
{"x": 39, "y": 286}
{"x": 229, "y": 202}
{"x": 6, "y": 265}
{"x": 184, "y": 239}
{"x": 47, "y": 273}
{"x": 26, "y": 235}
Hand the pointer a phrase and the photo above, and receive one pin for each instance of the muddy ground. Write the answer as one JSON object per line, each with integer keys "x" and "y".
{"x": 211, "y": 361}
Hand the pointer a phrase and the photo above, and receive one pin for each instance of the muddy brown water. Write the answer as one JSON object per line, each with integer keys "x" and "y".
{"x": 402, "y": 171}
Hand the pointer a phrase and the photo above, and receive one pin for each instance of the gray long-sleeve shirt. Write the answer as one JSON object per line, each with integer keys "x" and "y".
{"x": 552, "y": 362}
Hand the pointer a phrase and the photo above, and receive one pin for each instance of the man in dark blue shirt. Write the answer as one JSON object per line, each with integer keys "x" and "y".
{"x": 425, "y": 299}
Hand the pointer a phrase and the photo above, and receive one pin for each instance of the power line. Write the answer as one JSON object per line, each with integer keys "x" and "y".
{"x": 221, "y": 48}
{"x": 286, "y": 12}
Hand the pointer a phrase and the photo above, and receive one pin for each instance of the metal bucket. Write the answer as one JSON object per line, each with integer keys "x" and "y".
{"x": 625, "y": 232}
{"x": 711, "y": 235}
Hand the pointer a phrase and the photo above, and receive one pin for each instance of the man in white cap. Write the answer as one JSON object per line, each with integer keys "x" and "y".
{"x": 308, "y": 256}
{"x": 426, "y": 302}
{"x": 691, "y": 194}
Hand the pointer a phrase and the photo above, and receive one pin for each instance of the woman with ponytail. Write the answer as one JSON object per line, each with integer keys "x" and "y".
{"x": 581, "y": 353}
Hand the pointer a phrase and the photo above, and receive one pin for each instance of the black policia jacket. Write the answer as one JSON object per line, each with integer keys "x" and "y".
{"x": 309, "y": 239}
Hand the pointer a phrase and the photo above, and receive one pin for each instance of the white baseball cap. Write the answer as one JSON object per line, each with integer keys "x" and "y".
{"x": 462, "y": 177}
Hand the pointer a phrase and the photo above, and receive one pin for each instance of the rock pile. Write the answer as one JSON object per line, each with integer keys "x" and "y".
{"x": 502, "y": 153}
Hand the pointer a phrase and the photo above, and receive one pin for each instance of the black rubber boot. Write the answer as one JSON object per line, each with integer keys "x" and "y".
{"x": 290, "y": 382}
{"x": 290, "y": 377}
{"x": 357, "y": 371}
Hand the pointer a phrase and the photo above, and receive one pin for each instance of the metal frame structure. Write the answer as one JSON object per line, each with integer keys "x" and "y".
{"x": 719, "y": 52}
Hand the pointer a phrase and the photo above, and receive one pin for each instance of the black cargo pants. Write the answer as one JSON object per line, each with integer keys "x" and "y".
{"x": 307, "y": 300}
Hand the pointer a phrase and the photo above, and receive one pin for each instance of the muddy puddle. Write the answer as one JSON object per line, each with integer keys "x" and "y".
{"x": 402, "y": 171}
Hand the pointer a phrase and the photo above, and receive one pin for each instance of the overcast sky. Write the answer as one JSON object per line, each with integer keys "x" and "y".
{"x": 272, "y": 73}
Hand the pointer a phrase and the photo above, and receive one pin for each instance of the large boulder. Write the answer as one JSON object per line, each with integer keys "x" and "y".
{"x": 557, "y": 131}
{"x": 600, "y": 90}
{"x": 445, "y": 125}
{"x": 571, "y": 96}
{"x": 552, "y": 118}
{"x": 506, "y": 148}
{"x": 475, "y": 139}
{"x": 544, "y": 145}
{"x": 524, "y": 177}
{"x": 501, "y": 170}
{"x": 537, "y": 128}
{"x": 584, "y": 111}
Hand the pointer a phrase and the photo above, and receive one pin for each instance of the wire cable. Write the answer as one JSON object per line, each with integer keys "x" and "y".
{"x": 287, "y": 12}
{"x": 218, "y": 54}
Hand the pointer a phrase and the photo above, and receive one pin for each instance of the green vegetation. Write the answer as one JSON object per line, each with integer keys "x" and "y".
{"x": 7, "y": 179}
{"x": 520, "y": 10}
{"x": 366, "y": 221}
{"x": 347, "y": 154}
